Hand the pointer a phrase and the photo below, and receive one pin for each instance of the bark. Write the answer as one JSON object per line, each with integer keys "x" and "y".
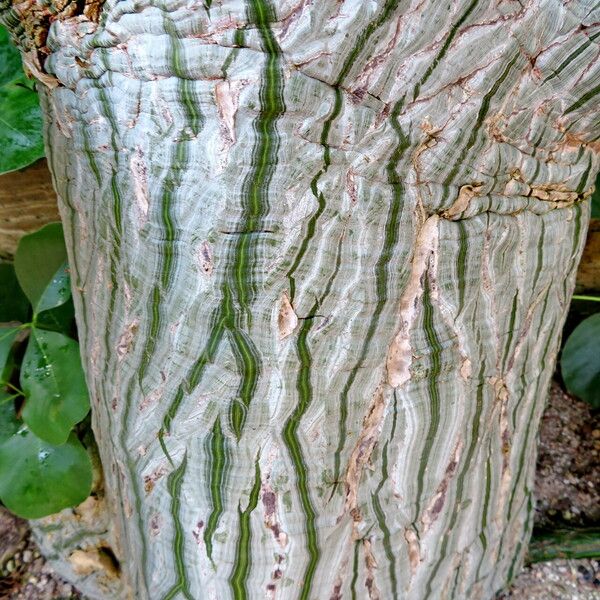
{"x": 321, "y": 255}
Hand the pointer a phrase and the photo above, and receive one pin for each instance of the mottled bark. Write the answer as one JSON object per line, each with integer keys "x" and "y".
{"x": 321, "y": 255}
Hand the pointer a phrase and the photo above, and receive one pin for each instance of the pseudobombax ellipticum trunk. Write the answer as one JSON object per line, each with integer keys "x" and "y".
{"x": 321, "y": 255}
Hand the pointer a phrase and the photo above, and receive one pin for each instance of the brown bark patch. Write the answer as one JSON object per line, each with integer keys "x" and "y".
{"x": 362, "y": 451}
{"x": 437, "y": 502}
{"x": 399, "y": 357}
{"x": 414, "y": 549}
{"x": 205, "y": 258}
{"x": 85, "y": 562}
{"x": 287, "y": 320}
{"x": 269, "y": 501}
{"x": 35, "y": 18}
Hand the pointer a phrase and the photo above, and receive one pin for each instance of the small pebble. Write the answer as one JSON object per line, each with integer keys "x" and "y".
{"x": 27, "y": 556}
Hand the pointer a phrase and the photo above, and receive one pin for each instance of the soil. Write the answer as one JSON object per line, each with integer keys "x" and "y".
{"x": 567, "y": 490}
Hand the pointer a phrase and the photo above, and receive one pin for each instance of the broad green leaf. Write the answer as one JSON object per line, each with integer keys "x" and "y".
{"x": 20, "y": 125}
{"x": 10, "y": 59}
{"x": 38, "y": 479}
{"x": 596, "y": 200}
{"x": 8, "y": 421}
{"x": 57, "y": 292}
{"x": 14, "y": 305}
{"x": 61, "y": 318}
{"x": 580, "y": 361}
{"x": 40, "y": 264}
{"x": 56, "y": 396}
{"x": 10, "y": 365}
{"x": 7, "y": 338}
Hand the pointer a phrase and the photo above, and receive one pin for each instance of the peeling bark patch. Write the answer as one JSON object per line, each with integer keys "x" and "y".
{"x": 399, "y": 357}
{"x": 465, "y": 195}
{"x": 126, "y": 339}
{"x": 371, "y": 567}
{"x": 90, "y": 560}
{"x": 150, "y": 480}
{"x": 151, "y": 398}
{"x": 337, "y": 590}
{"x": 558, "y": 194}
{"x": 288, "y": 319}
{"x": 502, "y": 397}
{"x": 437, "y": 502}
{"x": 414, "y": 550}
{"x": 226, "y": 98}
{"x": 197, "y": 532}
{"x": 155, "y": 524}
{"x": 361, "y": 454}
{"x": 205, "y": 258}
{"x": 139, "y": 173}
{"x": 465, "y": 368}
{"x": 351, "y": 186}
{"x": 269, "y": 500}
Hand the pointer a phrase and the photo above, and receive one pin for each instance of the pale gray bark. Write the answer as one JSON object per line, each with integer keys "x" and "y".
{"x": 321, "y": 255}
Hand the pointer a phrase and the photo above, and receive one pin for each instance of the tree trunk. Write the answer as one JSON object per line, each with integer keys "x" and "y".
{"x": 321, "y": 255}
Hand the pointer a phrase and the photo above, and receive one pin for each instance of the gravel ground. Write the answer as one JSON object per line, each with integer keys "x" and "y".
{"x": 24, "y": 574}
{"x": 567, "y": 488}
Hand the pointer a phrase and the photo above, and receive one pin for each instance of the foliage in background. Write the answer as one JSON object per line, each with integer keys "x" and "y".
{"x": 596, "y": 200}
{"x": 43, "y": 396}
{"x": 580, "y": 360}
{"x": 20, "y": 116}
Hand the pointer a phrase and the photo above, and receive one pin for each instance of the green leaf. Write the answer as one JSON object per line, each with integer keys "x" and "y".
{"x": 7, "y": 338}
{"x": 10, "y": 59}
{"x": 14, "y": 305}
{"x": 60, "y": 319}
{"x": 20, "y": 125}
{"x": 580, "y": 361}
{"x": 56, "y": 396}
{"x": 40, "y": 264}
{"x": 38, "y": 479}
{"x": 8, "y": 421}
{"x": 596, "y": 200}
{"x": 58, "y": 290}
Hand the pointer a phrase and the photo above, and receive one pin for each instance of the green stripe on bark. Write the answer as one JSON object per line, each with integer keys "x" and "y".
{"x": 435, "y": 350}
{"x": 466, "y": 469}
{"x": 449, "y": 38}
{"x": 481, "y": 115}
{"x": 380, "y": 515}
{"x": 181, "y": 585}
{"x": 239, "y": 577}
{"x": 240, "y": 259}
{"x": 290, "y": 433}
{"x": 324, "y": 139}
{"x": 565, "y": 63}
{"x": 582, "y": 100}
{"x": 390, "y": 240}
{"x": 216, "y": 450}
